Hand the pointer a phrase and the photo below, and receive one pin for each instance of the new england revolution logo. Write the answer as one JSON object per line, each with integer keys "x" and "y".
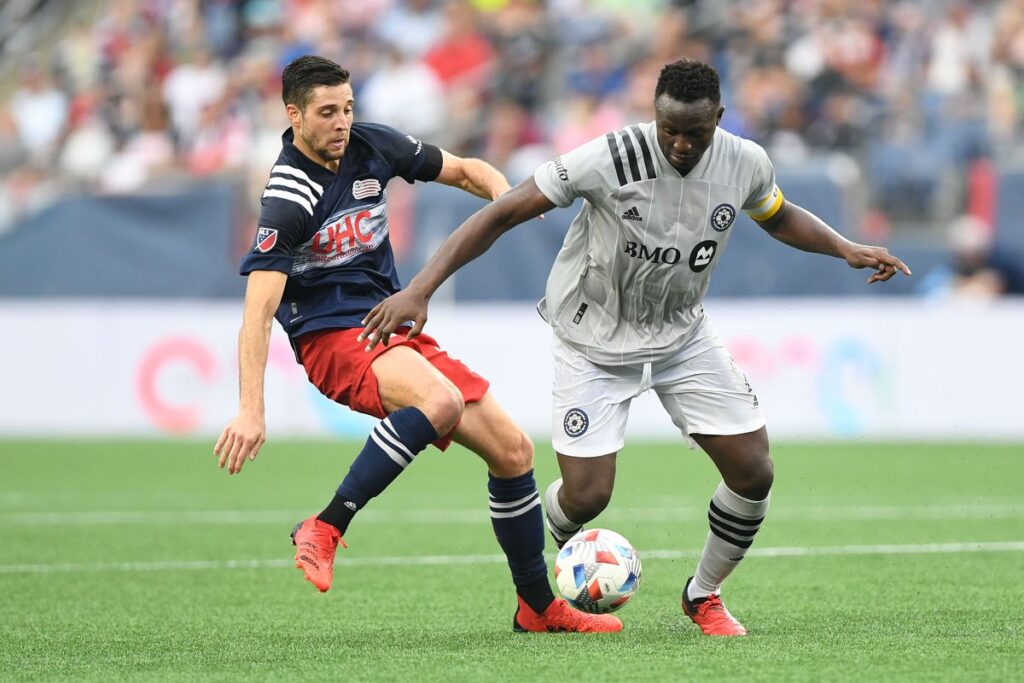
{"x": 266, "y": 238}
{"x": 722, "y": 217}
{"x": 575, "y": 422}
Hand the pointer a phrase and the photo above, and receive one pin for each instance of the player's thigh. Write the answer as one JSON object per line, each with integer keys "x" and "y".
{"x": 405, "y": 378}
{"x": 590, "y": 404}
{"x": 487, "y": 430}
{"x": 708, "y": 394}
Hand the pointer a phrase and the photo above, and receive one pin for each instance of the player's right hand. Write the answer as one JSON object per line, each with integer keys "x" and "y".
{"x": 241, "y": 439}
{"x": 392, "y": 313}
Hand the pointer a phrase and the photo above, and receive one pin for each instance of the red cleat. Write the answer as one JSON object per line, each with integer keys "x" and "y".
{"x": 316, "y": 542}
{"x": 559, "y": 617}
{"x": 711, "y": 615}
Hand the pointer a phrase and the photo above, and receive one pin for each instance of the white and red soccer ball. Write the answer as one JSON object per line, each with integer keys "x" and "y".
{"x": 597, "y": 571}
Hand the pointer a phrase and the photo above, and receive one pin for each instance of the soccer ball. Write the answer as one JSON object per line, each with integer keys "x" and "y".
{"x": 597, "y": 571}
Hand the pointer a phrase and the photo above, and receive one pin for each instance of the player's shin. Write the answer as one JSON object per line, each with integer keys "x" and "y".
{"x": 517, "y": 523}
{"x": 733, "y": 522}
{"x": 391, "y": 447}
{"x": 561, "y": 527}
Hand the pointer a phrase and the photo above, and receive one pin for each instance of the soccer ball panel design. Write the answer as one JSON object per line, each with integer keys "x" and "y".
{"x": 597, "y": 571}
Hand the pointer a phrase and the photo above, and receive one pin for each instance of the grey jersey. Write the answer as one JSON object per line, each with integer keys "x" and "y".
{"x": 628, "y": 283}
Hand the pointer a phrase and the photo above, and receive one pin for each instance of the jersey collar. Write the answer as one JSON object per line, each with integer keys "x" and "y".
{"x": 312, "y": 169}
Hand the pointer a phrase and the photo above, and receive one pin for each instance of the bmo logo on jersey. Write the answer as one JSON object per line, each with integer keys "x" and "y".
{"x": 669, "y": 255}
{"x": 700, "y": 257}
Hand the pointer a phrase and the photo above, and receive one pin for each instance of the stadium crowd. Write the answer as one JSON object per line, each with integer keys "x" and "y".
{"x": 919, "y": 94}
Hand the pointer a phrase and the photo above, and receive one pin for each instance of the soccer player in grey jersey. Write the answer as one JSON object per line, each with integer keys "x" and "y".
{"x": 624, "y": 298}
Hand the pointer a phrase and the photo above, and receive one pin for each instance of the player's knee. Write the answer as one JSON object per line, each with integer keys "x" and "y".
{"x": 756, "y": 481}
{"x": 514, "y": 455}
{"x": 443, "y": 407}
{"x": 520, "y": 452}
{"x": 582, "y": 504}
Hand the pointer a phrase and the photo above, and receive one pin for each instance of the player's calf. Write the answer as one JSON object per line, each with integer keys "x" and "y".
{"x": 559, "y": 525}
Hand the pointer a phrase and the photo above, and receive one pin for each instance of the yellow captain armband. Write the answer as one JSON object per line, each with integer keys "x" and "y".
{"x": 767, "y": 207}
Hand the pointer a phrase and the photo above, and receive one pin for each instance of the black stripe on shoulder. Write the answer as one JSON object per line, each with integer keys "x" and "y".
{"x": 613, "y": 147}
{"x": 645, "y": 151}
{"x": 634, "y": 169}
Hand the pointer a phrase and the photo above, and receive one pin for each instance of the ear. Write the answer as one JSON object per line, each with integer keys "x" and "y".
{"x": 721, "y": 110}
{"x": 294, "y": 114}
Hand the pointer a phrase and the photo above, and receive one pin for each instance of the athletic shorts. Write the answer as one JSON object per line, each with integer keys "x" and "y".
{"x": 704, "y": 392}
{"x": 339, "y": 367}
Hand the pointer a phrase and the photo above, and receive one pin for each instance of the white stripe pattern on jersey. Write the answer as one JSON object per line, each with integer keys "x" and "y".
{"x": 300, "y": 174}
{"x": 290, "y": 196}
{"x": 302, "y": 189}
{"x": 277, "y": 181}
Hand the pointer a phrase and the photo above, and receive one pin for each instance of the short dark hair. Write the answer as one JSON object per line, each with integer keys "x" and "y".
{"x": 689, "y": 80}
{"x": 306, "y": 73}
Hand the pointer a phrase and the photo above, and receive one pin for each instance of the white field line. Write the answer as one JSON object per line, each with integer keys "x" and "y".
{"x": 480, "y": 516}
{"x": 429, "y": 560}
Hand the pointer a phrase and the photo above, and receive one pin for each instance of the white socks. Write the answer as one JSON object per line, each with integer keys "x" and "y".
{"x": 733, "y": 521}
{"x": 561, "y": 527}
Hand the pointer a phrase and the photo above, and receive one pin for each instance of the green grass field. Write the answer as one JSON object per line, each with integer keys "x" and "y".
{"x": 141, "y": 560}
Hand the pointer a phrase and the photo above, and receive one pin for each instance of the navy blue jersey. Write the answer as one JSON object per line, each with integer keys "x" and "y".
{"x": 329, "y": 232}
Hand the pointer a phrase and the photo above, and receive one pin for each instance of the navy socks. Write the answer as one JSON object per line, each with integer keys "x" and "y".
{"x": 392, "y": 445}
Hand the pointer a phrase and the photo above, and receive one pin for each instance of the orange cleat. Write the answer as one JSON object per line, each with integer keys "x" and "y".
{"x": 559, "y": 617}
{"x": 711, "y": 615}
{"x": 316, "y": 542}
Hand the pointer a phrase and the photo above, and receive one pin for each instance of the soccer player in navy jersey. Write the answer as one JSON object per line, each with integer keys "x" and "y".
{"x": 320, "y": 261}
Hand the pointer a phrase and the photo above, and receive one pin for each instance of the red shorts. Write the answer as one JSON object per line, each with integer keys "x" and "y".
{"x": 339, "y": 367}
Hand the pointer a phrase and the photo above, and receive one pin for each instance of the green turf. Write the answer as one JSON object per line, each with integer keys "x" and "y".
{"x": 937, "y": 616}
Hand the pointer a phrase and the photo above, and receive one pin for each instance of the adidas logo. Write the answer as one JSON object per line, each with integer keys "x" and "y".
{"x": 632, "y": 215}
{"x": 350, "y": 505}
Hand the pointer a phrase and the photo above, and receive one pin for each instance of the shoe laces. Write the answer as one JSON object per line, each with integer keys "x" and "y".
{"x": 715, "y": 609}
{"x": 322, "y": 538}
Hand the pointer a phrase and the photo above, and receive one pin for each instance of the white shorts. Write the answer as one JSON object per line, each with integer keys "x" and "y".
{"x": 704, "y": 393}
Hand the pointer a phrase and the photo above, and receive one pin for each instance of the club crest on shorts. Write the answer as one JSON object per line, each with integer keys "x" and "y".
{"x": 575, "y": 422}
{"x": 266, "y": 238}
{"x": 722, "y": 217}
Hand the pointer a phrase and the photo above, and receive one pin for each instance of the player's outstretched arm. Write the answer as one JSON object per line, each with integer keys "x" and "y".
{"x": 472, "y": 238}
{"x": 472, "y": 175}
{"x": 800, "y": 228}
{"x": 246, "y": 433}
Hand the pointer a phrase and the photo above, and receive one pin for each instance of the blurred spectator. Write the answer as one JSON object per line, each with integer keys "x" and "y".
{"x": 40, "y": 113}
{"x": 411, "y": 26}
{"x": 982, "y": 268}
{"x": 406, "y": 94}
{"x": 191, "y": 87}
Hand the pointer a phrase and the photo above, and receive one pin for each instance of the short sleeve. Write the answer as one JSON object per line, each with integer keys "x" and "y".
{"x": 282, "y": 220}
{"x": 764, "y": 198}
{"x": 575, "y": 174}
{"x": 409, "y": 158}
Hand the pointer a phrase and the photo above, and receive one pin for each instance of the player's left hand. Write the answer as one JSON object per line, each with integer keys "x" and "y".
{"x": 879, "y": 258}
{"x": 392, "y": 313}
